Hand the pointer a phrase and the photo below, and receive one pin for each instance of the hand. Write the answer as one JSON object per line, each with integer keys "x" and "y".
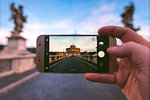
{"x": 133, "y": 74}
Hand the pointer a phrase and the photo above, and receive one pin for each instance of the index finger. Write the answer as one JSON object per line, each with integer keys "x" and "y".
{"x": 123, "y": 33}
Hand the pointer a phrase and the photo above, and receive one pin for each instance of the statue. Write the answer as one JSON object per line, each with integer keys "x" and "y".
{"x": 15, "y": 57}
{"x": 127, "y": 17}
{"x": 19, "y": 19}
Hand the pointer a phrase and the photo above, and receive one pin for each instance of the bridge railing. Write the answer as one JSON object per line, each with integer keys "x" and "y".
{"x": 17, "y": 64}
{"x": 53, "y": 58}
{"x": 92, "y": 58}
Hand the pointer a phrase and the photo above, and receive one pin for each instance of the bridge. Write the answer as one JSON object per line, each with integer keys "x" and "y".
{"x": 64, "y": 86}
{"x": 77, "y": 64}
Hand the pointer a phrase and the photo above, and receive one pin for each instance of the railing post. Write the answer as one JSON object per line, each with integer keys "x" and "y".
{"x": 55, "y": 58}
{"x": 50, "y": 59}
{"x": 95, "y": 59}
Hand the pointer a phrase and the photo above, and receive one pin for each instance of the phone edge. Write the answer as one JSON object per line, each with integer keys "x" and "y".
{"x": 112, "y": 59}
{"x": 40, "y": 53}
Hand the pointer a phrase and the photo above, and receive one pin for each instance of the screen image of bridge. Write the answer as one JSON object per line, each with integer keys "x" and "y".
{"x": 75, "y": 54}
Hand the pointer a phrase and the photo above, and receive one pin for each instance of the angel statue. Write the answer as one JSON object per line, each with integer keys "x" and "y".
{"x": 19, "y": 19}
{"x": 127, "y": 17}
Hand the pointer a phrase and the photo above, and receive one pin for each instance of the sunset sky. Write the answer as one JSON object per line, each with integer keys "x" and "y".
{"x": 68, "y": 16}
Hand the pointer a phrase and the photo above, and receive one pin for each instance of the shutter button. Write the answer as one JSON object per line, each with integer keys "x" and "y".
{"x": 101, "y": 54}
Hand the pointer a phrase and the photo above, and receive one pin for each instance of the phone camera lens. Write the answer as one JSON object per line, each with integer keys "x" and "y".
{"x": 39, "y": 44}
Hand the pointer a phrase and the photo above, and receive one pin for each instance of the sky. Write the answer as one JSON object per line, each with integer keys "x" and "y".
{"x": 60, "y": 43}
{"x": 71, "y": 16}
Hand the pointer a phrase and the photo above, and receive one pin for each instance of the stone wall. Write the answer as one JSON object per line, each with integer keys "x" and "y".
{"x": 17, "y": 64}
{"x": 5, "y": 65}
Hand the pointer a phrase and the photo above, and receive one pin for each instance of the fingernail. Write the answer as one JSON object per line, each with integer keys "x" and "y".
{"x": 88, "y": 74}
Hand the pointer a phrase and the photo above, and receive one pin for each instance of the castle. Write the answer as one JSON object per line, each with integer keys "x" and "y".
{"x": 73, "y": 50}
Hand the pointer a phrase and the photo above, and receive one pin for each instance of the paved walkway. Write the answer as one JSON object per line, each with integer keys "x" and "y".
{"x": 7, "y": 80}
{"x": 63, "y": 87}
{"x": 73, "y": 64}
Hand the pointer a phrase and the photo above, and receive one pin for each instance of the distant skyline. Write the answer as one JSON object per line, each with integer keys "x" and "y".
{"x": 60, "y": 43}
{"x": 68, "y": 16}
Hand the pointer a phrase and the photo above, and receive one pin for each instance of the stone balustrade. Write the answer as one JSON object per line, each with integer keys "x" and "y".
{"x": 18, "y": 63}
{"x": 53, "y": 58}
{"x": 92, "y": 58}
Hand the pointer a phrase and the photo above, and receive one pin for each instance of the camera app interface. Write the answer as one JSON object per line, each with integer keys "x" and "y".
{"x": 76, "y": 54}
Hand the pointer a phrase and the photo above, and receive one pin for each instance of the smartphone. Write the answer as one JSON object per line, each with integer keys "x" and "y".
{"x": 75, "y": 54}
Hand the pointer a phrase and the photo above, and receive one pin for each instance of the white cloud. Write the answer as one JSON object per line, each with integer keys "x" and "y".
{"x": 62, "y": 24}
{"x": 103, "y": 8}
{"x": 102, "y": 16}
{"x": 32, "y": 31}
{"x": 145, "y": 32}
{"x": 36, "y": 26}
{"x": 4, "y": 33}
{"x": 65, "y": 23}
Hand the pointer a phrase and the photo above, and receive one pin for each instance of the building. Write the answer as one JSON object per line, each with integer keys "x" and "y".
{"x": 73, "y": 50}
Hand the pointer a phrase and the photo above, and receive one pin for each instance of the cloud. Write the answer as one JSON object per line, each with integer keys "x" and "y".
{"x": 103, "y": 8}
{"x": 4, "y": 33}
{"x": 145, "y": 32}
{"x": 33, "y": 30}
{"x": 36, "y": 26}
{"x": 65, "y": 23}
{"x": 102, "y": 16}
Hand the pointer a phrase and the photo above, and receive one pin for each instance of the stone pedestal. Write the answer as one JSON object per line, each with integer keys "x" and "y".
{"x": 17, "y": 43}
{"x": 15, "y": 57}
{"x": 16, "y": 46}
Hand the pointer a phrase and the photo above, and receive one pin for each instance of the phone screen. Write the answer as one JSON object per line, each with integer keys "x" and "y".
{"x": 73, "y": 54}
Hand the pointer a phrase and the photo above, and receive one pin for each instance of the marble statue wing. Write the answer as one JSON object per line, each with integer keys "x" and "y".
{"x": 12, "y": 11}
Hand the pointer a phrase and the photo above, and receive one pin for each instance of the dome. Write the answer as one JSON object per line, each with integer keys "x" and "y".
{"x": 72, "y": 46}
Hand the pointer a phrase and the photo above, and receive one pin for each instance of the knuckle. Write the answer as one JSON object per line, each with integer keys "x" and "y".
{"x": 129, "y": 44}
{"x": 128, "y": 29}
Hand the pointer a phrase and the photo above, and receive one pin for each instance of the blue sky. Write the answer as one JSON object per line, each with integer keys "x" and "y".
{"x": 60, "y": 43}
{"x": 68, "y": 16}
